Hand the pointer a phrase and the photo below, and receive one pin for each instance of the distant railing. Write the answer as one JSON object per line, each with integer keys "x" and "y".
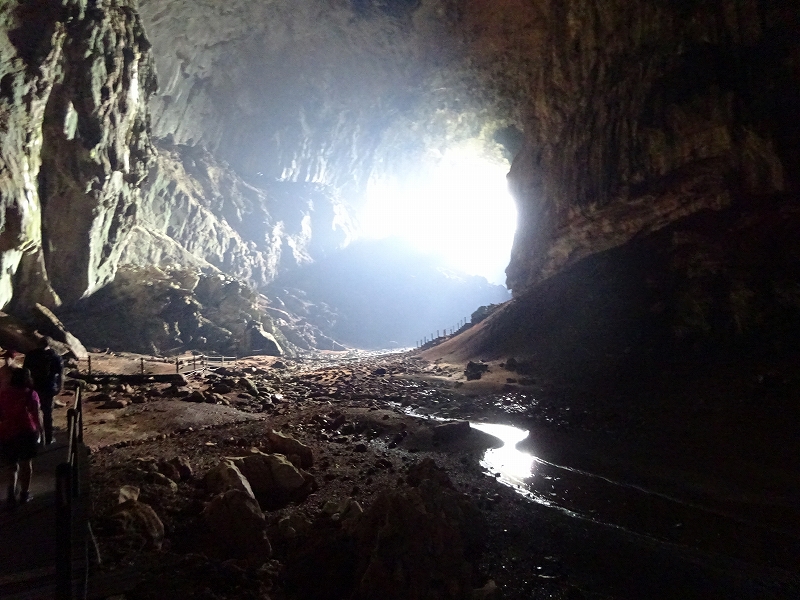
{"x": 442, "y": 334}
{"x": 70, "y": 519}
{"x": 183, "y": 364}
{"x": 198, "y": 362}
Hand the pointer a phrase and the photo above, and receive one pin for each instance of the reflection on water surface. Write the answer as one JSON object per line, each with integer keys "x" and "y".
{"x": 514, "y": 467}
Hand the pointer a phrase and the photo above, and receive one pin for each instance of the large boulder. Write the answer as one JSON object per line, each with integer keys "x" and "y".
{"x": 227, "y": 476}
{"x": 262, "y": 342}
{"x": 137, "y": 519}
{"x": 184, "y": 468}
{"x": 237, "y": 527}
{"x": 274, "y": 480}
{"x": 289, "y": 447}
{"x": 50, "y": 325}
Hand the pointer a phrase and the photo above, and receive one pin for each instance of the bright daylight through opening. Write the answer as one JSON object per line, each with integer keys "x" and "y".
{"x": 459, "y": 210}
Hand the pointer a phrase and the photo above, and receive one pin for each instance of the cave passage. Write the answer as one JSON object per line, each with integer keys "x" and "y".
{"x": 457, "y": 208}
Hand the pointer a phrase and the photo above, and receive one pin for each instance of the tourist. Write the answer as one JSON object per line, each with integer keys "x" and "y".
{"x": 7, "y": 368}
{"x": 46, "y": 368}
{"x": 20, "y": 433}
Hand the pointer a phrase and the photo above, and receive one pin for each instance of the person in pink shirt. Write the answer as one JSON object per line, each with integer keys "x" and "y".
{"x": 20, "y": 433}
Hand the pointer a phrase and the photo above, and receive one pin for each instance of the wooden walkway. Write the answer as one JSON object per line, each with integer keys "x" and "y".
{"x": 28, "y": 533}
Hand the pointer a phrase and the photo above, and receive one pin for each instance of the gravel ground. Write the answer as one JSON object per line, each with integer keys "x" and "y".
{"x": 362, "y": 414}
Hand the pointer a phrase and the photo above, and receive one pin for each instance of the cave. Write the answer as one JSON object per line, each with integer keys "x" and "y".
{"x": 535, "y": 265}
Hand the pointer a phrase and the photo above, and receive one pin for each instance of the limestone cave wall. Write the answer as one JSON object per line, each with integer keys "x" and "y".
{"x": 632, "y": 115}
{"x": 301, "y": 91}
{"x": 75, "y": 147}
{"x": 270, "y": 117}
{"x": 636, "y": 114}
{"x": 85, "y": 189}
{"x": 195, "y": 211}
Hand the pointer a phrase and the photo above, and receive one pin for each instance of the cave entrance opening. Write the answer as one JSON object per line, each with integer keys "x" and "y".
{"x": 456, "y": 207}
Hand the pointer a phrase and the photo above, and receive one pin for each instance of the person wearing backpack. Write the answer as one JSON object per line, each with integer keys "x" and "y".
{"x": 46, "y": 368}
{"x": 21, "y": 430}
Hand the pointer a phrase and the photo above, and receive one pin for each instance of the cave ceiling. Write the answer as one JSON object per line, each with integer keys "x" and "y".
{"x": 157, "y": 127}
{"x": 612, "y": 97}
{"x": 316, "y": 91}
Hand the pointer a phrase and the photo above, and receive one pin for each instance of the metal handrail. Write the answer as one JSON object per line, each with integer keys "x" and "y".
{"x": 68, "y": 492}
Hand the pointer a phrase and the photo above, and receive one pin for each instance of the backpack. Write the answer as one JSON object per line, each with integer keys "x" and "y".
{"x": 45, "y": 366}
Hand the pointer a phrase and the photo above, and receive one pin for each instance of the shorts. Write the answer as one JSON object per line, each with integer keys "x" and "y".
{"x": 23, "y": 447}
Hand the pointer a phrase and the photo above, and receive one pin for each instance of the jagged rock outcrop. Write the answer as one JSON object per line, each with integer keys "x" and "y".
{"x": 149, "y": 310}
{"x": 75, "y": 82}
{"x": 196, "y": 211}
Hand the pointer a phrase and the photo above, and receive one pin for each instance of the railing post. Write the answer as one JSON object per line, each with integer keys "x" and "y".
{"x": 79, "y": 406}
{"x": 64, "y": 531}
{"x": 89, "y": 358}
{"x": 73, "y": 422}
{"x": 177, "y": 365}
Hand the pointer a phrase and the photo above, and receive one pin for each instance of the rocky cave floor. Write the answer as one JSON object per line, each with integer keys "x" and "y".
{"x": 362, "y": 417}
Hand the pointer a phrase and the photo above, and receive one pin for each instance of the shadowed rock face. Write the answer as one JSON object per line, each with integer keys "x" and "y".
{"x": 636, "y": 114}
{"x": 148, "y": 310}
{"x": 705, "y": 291}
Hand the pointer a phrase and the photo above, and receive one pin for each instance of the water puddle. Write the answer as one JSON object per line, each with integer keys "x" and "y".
{"x": 630, "y": 508}
{"x": 627, "y": 507}
{"x": 513, "y": 466}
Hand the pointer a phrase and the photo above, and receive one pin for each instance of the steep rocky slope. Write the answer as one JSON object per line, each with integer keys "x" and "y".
{"x": 715, "y": 289}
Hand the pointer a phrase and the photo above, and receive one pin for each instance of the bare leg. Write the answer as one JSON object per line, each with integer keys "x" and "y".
{"x": 25, "y": 471}
{"x": 12, "y": 483}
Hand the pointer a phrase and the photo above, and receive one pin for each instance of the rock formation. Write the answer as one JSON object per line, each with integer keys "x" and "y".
{"x": 76, "y": 146}
{"x": 196, "y": 211}
{"x": 153, "y": 311}
{"x": 621, "y": 119}
{"x": 641, "y": 113}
